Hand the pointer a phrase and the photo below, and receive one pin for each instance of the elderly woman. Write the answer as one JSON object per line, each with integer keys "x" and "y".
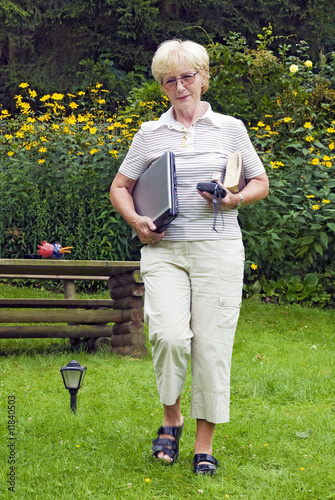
{"x": 192, "y": 274}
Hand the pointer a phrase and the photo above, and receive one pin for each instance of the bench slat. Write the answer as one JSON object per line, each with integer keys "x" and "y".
{"x": 100, "y": 316}
{"x": 67, "y": 268}
{"x": 56, "y": 303}
{"x": 55, "y": 331}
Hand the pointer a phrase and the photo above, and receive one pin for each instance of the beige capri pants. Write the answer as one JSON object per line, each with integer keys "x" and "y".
{"x": 193, "y": 293}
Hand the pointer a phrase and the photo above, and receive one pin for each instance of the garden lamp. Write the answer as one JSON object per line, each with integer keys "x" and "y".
{"x": 73, "y": 376}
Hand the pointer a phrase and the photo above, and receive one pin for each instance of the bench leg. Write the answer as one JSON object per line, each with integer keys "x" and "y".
{"x": 70, "y": 293}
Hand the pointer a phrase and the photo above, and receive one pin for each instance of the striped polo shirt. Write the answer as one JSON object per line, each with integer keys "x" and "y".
{"x": 199, "y": 152}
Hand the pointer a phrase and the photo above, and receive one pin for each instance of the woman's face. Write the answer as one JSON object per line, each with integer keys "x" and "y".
{"x": 184, "y": 96}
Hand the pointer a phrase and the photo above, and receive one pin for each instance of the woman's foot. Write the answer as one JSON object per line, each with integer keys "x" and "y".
{"x": 204, "y": 464}
{"x": 166, "y": 445}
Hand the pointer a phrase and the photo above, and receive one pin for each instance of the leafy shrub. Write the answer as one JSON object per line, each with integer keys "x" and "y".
{"x": 55, "y": 177}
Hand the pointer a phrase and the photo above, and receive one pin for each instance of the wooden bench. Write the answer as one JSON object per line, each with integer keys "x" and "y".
{"x": 83, "y": 321}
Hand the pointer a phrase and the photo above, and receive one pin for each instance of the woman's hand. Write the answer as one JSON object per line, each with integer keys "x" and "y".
{"x": 146, "y": 230}
{"x": 227, "y": 203}
{"x": 256, "y": 189}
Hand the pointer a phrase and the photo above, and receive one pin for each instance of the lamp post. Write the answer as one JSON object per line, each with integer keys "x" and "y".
{"x": 73, "y": 376}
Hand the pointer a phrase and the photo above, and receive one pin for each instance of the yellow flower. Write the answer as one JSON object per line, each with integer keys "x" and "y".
{"x": 45, "y": 98}
{"x": 294, "y": 68}
{"x": 25, "y": 108}
{"x": 288, "y": 119}
{"x": 32, "y": 93}
{"x": 71, "y": 95}
{"x": 71, "y": 120}
{"x": 147, "y": 480}
{"x": 43, "y": 149}
{"x": 24, "y": 85}
{"x": 266, "y": 445}
{"x": 101, "y": 101}
{"x": 276, "y": 164}
{"x": 308, "y": 64}
{"x": 10, "y": 153}
{"x": 261, "y": 124}
{"x": 5, "y": 113}
{"x": 93, "y": 130}
{"x": 328, "y": 164}
{"x": 315, "y": 161}
{"x": 19, "y": 133}
{"x": 331, "y": 146}
{"x": 81, "y": 93}
{"x": 57, "y": 97}
{"x": 44, "y": 118}
{"x": 41, "y": 161}
{"x": 73, "y": 105}
{"x": 8, "y": 136}
{"x": 44, "y": 139}
{"x": 94, "y": 150}
{"x": 309, "y": 138}
{"x": 99, "y": 85}
{"x": 308, "y": 125}
{"x": 310, "y": 196}
{"x": 114, "y": 153}
{"x": 55, "y": 126}
{"x": 325, "y": 201}
{"x": 253, "y": 266}
{"x": 315, "y": 207}
{"x": 330, "y": 130}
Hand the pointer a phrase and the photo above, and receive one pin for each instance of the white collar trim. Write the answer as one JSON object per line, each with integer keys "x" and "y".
{"x": 168, "y": 119}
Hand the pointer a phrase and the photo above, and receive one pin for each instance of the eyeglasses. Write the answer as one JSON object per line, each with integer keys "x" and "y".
{"x": 171, "y": 83}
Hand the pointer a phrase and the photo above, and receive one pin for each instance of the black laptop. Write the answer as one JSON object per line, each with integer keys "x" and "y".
{"x": 155, "y": 192}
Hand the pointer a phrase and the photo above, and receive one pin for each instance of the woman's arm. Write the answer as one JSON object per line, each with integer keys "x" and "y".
{"x": 122, "y": 200}
{"x": 256, "y": 189}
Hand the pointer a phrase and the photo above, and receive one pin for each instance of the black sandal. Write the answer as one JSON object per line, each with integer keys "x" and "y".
{"x": 169, "y": 447}
{"x": 207, "y": 468}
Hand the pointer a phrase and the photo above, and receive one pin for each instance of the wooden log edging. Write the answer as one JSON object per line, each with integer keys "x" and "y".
{"x": 127, "y": 292}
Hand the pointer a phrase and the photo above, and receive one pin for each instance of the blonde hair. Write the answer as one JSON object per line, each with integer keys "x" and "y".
{"x": 171, "y": 54}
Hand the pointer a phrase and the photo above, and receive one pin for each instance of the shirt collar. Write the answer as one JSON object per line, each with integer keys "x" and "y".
{"x": 167, "y": 119}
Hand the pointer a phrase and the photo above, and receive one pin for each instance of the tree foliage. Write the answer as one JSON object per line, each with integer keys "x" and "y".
{"x": 58, "y": 44}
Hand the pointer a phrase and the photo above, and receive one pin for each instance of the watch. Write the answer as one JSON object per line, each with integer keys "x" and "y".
{"x": 240, "y": 203}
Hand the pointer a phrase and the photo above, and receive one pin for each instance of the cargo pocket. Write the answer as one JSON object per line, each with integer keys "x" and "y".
{"x": 229, "y": 310}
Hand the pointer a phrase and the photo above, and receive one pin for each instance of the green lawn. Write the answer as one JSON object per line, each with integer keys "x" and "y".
{"x": 278, "y": 445}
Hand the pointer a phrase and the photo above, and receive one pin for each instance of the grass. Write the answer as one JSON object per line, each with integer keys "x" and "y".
{"x": 279, "y": 443}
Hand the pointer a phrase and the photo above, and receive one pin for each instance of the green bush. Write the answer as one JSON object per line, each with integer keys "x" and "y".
{"x": 55, "y": 179}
